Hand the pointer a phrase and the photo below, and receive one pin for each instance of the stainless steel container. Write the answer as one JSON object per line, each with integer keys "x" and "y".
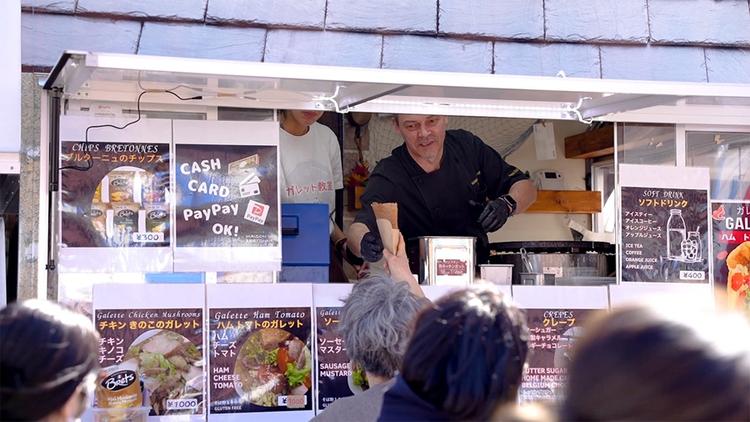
{"x": 563, "y": 262}
{"x": 532, "y": 279}
{"x": 446, "y": 260}
{"x": 496, "y": 273}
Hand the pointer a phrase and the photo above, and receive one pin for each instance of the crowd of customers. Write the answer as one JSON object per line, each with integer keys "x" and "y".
{"x": 459, "y": 358}
{"x": 466, "y": 353}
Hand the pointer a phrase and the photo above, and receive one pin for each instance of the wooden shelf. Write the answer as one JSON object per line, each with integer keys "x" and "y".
{"x": 567, "y": 202}
{"x": 591, "y": 144}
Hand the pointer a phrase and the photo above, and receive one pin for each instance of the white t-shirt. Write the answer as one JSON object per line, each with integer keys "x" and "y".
{"x": 310, "y": 167}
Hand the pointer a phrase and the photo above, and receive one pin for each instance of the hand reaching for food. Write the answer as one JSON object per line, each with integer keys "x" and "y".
{"x": 398, "y": 268}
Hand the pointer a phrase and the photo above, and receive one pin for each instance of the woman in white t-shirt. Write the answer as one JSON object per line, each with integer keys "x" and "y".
{"x": 310, "y": 165}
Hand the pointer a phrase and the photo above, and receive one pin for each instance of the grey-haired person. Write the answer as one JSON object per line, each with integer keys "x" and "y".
{"x": 376, "y": 323}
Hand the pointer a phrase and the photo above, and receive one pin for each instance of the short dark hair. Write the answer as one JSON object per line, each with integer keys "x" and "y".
{"x": 646, "y": 363}
{"x": 467, "y": 353}
{"x": 376, "y": 322}
{"x": 46, "y": 351}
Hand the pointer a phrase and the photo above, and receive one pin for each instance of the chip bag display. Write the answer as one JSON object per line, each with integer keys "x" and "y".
{"x": 121, "y": 187}
{"x": 98, "y": 216}
{"x": 119, "y": 387}
{"x": 157, "y": 218}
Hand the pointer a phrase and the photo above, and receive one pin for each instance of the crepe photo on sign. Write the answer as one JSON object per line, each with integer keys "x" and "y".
{"x": 738, "y": 281}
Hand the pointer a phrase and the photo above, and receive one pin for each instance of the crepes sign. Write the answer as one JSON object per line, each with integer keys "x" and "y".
{"x": 552, "y": 334}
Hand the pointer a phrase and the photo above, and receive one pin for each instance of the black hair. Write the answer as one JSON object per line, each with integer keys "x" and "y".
{"x": 467, "y": 353}
{"x": 641, "y": 362}
{"x": 46, "y": 351}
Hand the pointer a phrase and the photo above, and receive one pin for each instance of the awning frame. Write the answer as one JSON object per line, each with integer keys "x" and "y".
{"x": 120, "y": 77}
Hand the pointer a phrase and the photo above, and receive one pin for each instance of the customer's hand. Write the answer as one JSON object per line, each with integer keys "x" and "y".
{"x": 398, "y": 269}
{"x": 397, "y": 266}
{"x": 494, "y": 215}
{"x": 371, "y": 247}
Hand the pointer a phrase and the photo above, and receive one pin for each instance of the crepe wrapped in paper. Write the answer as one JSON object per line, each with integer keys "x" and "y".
{"x": 386, "y": 217}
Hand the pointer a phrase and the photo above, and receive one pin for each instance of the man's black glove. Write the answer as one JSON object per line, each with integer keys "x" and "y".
{"x": 494, "y": 215}
{"x": 371, "y": 248}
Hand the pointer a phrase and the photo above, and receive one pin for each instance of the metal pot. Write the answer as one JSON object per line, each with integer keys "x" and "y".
{"x": 562, "y": 263}
{"x": 442, "y": 260}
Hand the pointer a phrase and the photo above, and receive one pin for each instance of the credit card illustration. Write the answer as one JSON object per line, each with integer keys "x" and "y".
{"x": 250, "y": 189}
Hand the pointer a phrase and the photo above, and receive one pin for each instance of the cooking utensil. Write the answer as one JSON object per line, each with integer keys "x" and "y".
{"x": 526, "y": 262}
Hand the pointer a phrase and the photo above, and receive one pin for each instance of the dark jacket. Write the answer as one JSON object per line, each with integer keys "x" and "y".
{"x": 400, "y": 403}
{"x": 437, "y": 203}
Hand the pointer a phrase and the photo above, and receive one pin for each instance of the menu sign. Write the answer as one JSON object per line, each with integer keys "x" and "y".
{"x": 731, "y": 251}
{"x": 121, "y": 201}
{"x": 664, "y": 229}
{"x": 115, "y": 197}
{"x": 227, "y": 200}
{"x": 552, "y": 333}
{"x": 260, "y": 359}
{"x": 334, "y": 376}
{"x": 260, "y": 356}
{"x": 554, "y": 315}
{"x": 163, "y": 346}
{"x": 334, "y": 368}
{"x": 226, "y": 195}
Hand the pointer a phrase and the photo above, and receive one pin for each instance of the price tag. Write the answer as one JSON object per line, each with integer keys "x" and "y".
{"x": 148, "y": 237}
{"x": 692, "y": 275}
{"x": 182, "y": 404}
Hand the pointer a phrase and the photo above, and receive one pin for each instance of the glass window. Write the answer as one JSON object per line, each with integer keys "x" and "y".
{"x": 603, "y": 180}
{"x": 646, "y": 144}
{"x": 727, "y": 154}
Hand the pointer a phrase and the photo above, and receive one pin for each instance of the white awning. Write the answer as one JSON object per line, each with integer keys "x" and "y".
{"x": 122, "y": 77}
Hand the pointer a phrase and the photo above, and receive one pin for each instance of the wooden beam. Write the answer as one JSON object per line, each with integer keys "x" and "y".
{"x": 567, "y": 202}
{"x": 591, "y": 144}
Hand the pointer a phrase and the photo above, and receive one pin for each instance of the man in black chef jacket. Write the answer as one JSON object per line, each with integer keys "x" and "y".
{"x": 446, "y": 183}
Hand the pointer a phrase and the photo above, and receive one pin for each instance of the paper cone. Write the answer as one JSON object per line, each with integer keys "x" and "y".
{"x": 386, "y": 233}
{"x": 388, "y": 211}
{"x": 386, "y": 217}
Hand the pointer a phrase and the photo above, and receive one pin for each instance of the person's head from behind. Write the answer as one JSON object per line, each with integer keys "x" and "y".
{"x": 376, "y": 323}
{"x": 467, "y": 353}
{"x": 424, "y": 135}
{"x": 48, "y": 362}
{"x": 648, "y": 363}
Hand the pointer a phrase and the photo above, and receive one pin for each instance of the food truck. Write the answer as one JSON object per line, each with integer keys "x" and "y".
{"x": 165, "y": 223}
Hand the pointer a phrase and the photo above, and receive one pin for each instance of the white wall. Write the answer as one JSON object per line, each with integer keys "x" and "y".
{"x": 547, "y": 226}
{"x": 10, "y": 76}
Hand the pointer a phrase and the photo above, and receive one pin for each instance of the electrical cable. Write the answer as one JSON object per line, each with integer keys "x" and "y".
{"x": 90, "y": 161}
